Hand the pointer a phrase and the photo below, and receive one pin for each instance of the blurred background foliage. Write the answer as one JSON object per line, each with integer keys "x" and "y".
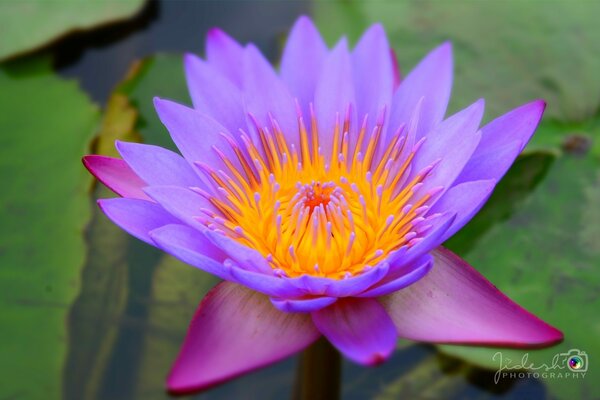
{"x": 86, "y": 312}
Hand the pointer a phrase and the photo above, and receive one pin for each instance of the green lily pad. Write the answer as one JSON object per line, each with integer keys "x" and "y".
{"x": 46, "y": 124}
{"x": 30, "y": 24}
{"x": 509, "y": 52}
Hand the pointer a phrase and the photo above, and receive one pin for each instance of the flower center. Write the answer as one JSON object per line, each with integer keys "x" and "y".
{"x": 331, "y": 216}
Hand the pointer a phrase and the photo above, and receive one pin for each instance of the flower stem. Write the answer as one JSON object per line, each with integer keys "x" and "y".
{"x": 318, "y": 373}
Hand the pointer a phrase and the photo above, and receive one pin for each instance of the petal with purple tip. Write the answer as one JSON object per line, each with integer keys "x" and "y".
{"x": 158, "y": 166}
{"x": 136, "y": 217}
{"x": 234, "y": 331}
{"x": 501, "y": 142}
{"x": 359, "y": 328}
{"x": 456, "y": 304}
{"x": 244, "y": 256}
{"x": 301, "y": 62}
{"x": 115, "y": 174}
{"x": 430, "y": 79}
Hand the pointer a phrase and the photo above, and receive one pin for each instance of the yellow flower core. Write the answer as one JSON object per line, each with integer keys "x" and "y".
{"x": 307, "y": 215}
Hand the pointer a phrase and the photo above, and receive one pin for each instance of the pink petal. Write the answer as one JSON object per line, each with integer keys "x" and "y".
{"x": 456, "y": 304}
{"x": 431, "y": 79}
{"x": 234, "y": 331}
{"x": 116, "y": 175}
{"x": 359, "y": 328}
{"x": 301, "y": 62}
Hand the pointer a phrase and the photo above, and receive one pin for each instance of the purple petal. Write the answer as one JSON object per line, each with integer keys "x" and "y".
{"x": 225, "y": 54}
{"x": 341, "y": 287}
{"x": 116, "y": 175}
{"x": 302, "y": 305}
{"x": 265, "y": 94}
{"x": 190, "y": 246}
{"x": 373, "y": 74}
{"x": 451, "y": 143}
{"x": 182, "y": 203}
{"x": 431, "y": 79}
{"x": 244, "y": 256}
{"x": 233, "y": 332}
{"x": 213, "y": 94}
{"x": 136, "y": 217}
{"x": 455, "y": 304}
{"x": 334, "y": 94}
{"x": 405, "y": 276}
{"x": 464, "y": 200}
{"x": 274, "y": 286}
{"x": 194, "y": 133}
{"x": 302, "y": 60}
{"x": 501, "y": 142}
{"x": 158, "y": 166}
{"x": 429, "y": 242}
{"x": 359, "y": 328}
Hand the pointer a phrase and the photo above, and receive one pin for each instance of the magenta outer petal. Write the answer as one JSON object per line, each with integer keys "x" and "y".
{"x": 115, "y": 174}
{"x": 302, "y": 305}
{"x": 158, "y": 166}
{"x": 225, "y": 54}
{"x": 456, "y": 304}
{"x": 501, "y": 142}
{"x": 191, "y": 247}
{"x": 213, "y": 94}
{"x": 465, "y": 200}
{"x": 359, "y": 328}
{"x": 333, "y": 95}
{"x": 373, "y": 74}
{"x": 234, "y": 331}
{"x": 430, "y": 79}
{"x": 136, "y": 217}
{"x": 301, "y": 62}
{"x": 195, "y": 133}
{"x": 266, "y": 95}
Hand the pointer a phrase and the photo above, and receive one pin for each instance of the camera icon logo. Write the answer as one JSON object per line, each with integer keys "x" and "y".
{"x": 576, "y": 360}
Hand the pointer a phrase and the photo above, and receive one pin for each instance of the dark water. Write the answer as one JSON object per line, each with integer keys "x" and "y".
{"x": 99, "y": 60}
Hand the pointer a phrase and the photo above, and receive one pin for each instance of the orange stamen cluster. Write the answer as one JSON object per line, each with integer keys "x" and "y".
{"x": 328, "y": 215}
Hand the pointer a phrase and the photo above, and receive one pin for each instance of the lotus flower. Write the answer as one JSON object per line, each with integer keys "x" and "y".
{"x": 321, "y": 193}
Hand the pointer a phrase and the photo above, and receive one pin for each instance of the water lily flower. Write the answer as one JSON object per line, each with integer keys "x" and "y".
{"x": 320, "y": 193}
